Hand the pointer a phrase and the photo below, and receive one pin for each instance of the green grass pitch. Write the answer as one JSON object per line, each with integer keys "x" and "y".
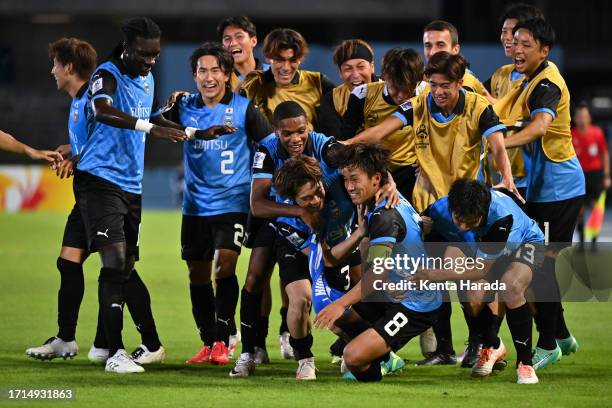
{"x": 29, "y": 245}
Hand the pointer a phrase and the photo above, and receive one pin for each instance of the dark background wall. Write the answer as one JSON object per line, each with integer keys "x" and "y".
{"x": 33, "y": 110}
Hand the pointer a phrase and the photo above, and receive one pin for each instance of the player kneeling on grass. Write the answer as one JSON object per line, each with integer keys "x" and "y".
{"x": 392, "y": 232}
{"x": 333, "y": 270}
{"x": 509, "y": 246}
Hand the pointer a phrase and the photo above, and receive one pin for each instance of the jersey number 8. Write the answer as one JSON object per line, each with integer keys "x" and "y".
{"x": 394, "y": 325}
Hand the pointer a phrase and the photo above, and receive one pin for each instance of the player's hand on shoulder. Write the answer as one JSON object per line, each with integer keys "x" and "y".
{"x": 174, "y": 98}
{"x": 174, "y": 135}
{"x": 388, "y": 192}
{"x": 330, "y": 313}
{"x": 509, "y": 185}
{"x": 361, "y": 219}
{"x": 426, "y": 224}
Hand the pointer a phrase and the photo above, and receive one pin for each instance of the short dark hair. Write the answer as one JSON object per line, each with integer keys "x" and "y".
{"x": 79, "y": 53}
{"x": 541, "y": 31}
{"x": 295, "y": 173}
{"x": 224, "y": 58}
{"x": 452, "y": 66}
{"x": 402, "y": 68}
{"x": 520, "y": 12}
{"x": 286, "y": 110}
{"x": 370, "y": 158}
{"x": 441, "y": 25}
{"x": 469, "y": 199}
{"x": 142, "y": 27}
{"x": 281, "y": 39}
{"x": 242, "y": 22}
{"x": 350, "y": 49}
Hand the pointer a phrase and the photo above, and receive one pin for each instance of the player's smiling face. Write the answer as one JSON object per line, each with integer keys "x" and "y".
{"x": 61, "y": 73}
{"x": 293, "y": 134}
{"x": 141, "y": 56}
{"x": 210, "y": 79}
{"x": 360, "y": 187}
{"x": 238, "y": 43}
{"x": 284, "y": 66}
{"x": 311, "y": 196}
{"x": 436, "y": 41}
{"x": 528, "y": 53}
{"x": 356, "y": 72}
{"x": 506, "y": 36}
{"x": 445, "y": 92}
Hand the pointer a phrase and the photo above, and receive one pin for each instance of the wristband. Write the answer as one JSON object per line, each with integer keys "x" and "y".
{"x": 190, "y": 131}
{"x": 143, "y": 126}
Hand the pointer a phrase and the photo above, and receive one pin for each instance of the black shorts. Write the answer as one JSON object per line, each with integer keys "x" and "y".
{"x": 74, "y": 231}
{"x": 292, "y": 264}
{"x": 399, "y": 324}
{"x": 594, "y": 184}
{"x": 202, "y": 235}
{"x": 338, "y": 277}
{"x": 110, "y": 214}
{"x": 405, "y": 179}
{"x": 559, "y": 218}
{"x": 259, "y": 232}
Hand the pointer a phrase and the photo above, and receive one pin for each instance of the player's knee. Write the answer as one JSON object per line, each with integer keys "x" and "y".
{"x": 255, "y": 280}
{"x": 226, "y": 267}
{"x": 352, "y": 356}
{"x": 113, "y": 256}
{"x": 198, "y": 275}
{"x": 514, "y": 289}
{"x": 301, "y": 301}
{"x": 112, "y": 275}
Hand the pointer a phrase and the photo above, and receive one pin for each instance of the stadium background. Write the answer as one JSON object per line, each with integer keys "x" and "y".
{"x": 35, "y": 112}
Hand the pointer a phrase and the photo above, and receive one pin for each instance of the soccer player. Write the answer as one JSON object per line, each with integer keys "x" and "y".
{"x": 392, "y": 231}
{"x": 73, "y": 63}
{"x": 285, "y": 49}
{"x": 500, "y": 83}
{"x": 592, "y": 151}
{"x": 355, "y": 61}
{"x": 216, "y": 195}
{"x": 539, "y": 112}
{"x": 511, "y": 247}
{"x": 108, "y": 182}
{"x": 239, "y": 37}
{"x": 10, "y": 144}
{"x": 370, "y": 104}
{"x": 440, "y": 36}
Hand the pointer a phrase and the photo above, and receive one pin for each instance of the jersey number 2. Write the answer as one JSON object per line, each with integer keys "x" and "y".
{"x": 229, "y": 159}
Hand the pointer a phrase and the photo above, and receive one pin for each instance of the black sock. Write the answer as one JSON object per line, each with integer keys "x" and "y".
{"x": 301, "y": 347}
{"x": 520, "y": 324}
{"x": 283, "y": 326}
{"x": 226, "y": 300}
{"x": 442, "y": 329}
{"x": 371, "y": 374}
{"x": 337, "y": 347}
{"x": 111, "y": 301}
{"x": 100, "y": 339}
{"x": 138, "y": 301}
{"x": 250, "y": 308}
{"x": 562, "y": 330}
{"x": 547, "y": 305}
{"x": 474, "y": 336}
{"x": 203, "y": 309}
{"x": 263, "y": 324}
{"x": 69, "y": 297}
{"x": 485, "y": 325}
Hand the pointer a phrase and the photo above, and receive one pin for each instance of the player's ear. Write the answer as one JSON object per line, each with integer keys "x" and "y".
{"x": 254, "y": 41}
{"x": 70, "y": 68}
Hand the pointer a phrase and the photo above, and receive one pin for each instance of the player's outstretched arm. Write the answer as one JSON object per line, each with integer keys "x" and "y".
{"x": 335, "y": 255}
{"x": 105, "y": 113}
{"x": 10, "y": 144}
{"x": 535, "y": 129}
{"x": 502, "y": 162}
{"x": 335, "y": 310}
{"x": 379, "y": 132}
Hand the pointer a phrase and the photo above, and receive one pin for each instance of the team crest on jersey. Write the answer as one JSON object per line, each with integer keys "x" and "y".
{"x": 422, "y": 137}
{"x": 96, "y": 85}
{"x": 228, "y": 117}
{"x": 258, "y": 160}
{"x": 406, "y": 106}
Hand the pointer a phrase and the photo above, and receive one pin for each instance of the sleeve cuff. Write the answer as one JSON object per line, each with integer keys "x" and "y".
{"x": 496, "y": 128}
{"x": 545, "y": 110}
{"x": 381, "y": 240}
{"x": 402, "y": 118}
{"x": 100, "y": 96}
{"x": 262, "y": 176}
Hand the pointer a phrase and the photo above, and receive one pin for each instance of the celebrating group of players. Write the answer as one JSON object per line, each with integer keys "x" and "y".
{"x": 326, "y": 181}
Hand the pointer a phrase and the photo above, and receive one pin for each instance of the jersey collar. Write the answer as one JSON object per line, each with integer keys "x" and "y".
{"x": 436, "y": 112}
{"x": 82, "y": 90}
